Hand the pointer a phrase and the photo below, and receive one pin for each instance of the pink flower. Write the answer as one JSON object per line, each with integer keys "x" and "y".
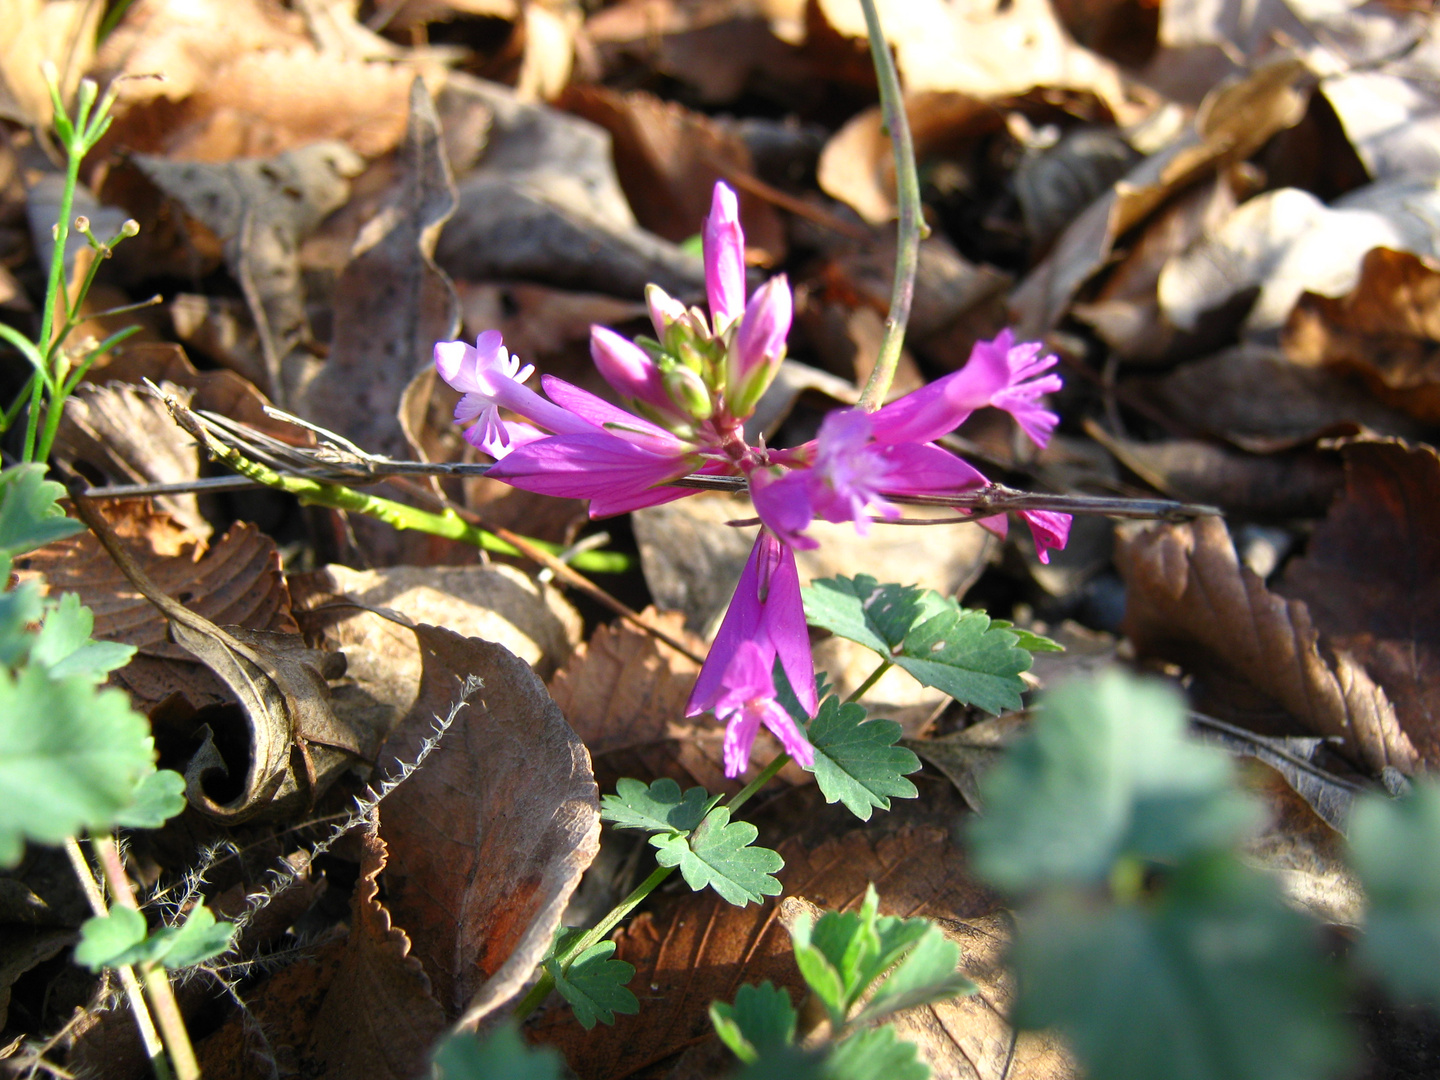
{"x": 765, "y": 621}
{"x": 758, "y": 347}
{"x": 724, "y": 245}
{"x": 630, "y": 370}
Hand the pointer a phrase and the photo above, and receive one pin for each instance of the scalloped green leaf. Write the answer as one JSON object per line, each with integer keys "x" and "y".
{"x": 595, "y": 985}
{"x": 877, "y": 1054}
{"x": 63, "y": 643}
{"x": 71, "y": 758}
{"x": 106, "y": 940}
{"x": 30, "y": 516}
{"x": 856, "y": 760}
{"x": 661, "y": 807}
{"x": 719, "y": 854}
{"x": 927, "y": 973}
{"x": 502, "y": 1052}
{"x": 158, "y": 797}
{"x": 761, "y": 1020}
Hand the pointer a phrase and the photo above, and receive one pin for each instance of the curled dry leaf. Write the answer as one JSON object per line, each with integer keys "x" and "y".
{"x": 235, "y": 582}
{"x": 285, "y": 741}
{"x": 489, "y": 839}
{"x": 1368, "y": 578}
{"x": 1190, "y": 600}
{"x": 379, "y": 1018}
{"x": 1386, "y": 329}
{"x": 700, "y": 949}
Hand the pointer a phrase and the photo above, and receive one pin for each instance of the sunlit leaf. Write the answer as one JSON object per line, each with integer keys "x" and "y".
{"x": 719, "y": 854}
{"x": 29, "y": 514}
{"x": 501, "y": 1052}
{"x": 856, "y": 760}
{"x": 659, "y": 808}
{"x": 928, "y": 973}
{"x": 876, "y": 1054}
{"x": 158, "y": 797}
{"x": 63, "y": 643}
{"x": 761, "y": 1020}
{"x": 106, "y": 939}
{"x": 594, "y": 985}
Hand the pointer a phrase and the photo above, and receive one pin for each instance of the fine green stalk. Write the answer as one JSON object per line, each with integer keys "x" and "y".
{"x": 910, "y": 225}
{"x": 448, "y": 524}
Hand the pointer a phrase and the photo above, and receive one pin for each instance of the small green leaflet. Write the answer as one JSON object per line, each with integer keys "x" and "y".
{"x": 594, "y": 985}
{"x": 1105, "y": 773}
{"x": 1212, "y": 979}
{"x": 29, "y": 515}
{"x": 719, "y": 854}
{"x": 1393, "y": 844}
{"x": 501, "y": 1053}
{"x": 928, "y": 973}
{"x": 64, "y": 645}
{"x": 158, "y": 797}
{"x": 761, "y": 1020}
{"x": 877, "y": 1054}
{"x": 71, "y": 758}
{"x": 962, "y": 652}
{"x": 659, "y": 808}
{"x": 856, "y": 760}
{"x": 119, "y": 938}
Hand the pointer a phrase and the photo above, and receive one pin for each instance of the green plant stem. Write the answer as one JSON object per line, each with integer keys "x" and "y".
{"x": 154, "y": 977}
{"x": 397, "y": 515}
{"x": 149, "y": 1037}
{"x": 865, "y": 687}
{"x": 910, "y": 226}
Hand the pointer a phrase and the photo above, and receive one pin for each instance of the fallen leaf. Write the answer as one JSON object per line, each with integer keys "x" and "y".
{"x": 261, "y": 210}
{"x": 1366, "y": 578}
{"x": 1190, "y": 600}
{"x": 379, "y": 1018}
{"x": 699, "y": 949}
{"x": 1286, "y": 242}
{"x": 544, "y": 205}
{"x": 235, "y": 582}
{"x": 1255, "y": 398}
{"x": 1392, "y": 114}
{"x": 496, "y": 603}
{"x": 37, "y": 32}
{"x": 1386, "y": 329}
{"x": 489, "y": 839}
{"x": 668, "y": 158}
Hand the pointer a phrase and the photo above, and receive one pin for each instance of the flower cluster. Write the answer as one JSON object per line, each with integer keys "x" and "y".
{"x": 688, "y": 392}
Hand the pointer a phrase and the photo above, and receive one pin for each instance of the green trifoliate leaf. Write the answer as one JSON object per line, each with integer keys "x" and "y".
{"x": 877, "y": 1054}
{"x": 71, "y": 758}
{"x": 932, "y": 637}
{"x": 501, "y": 1053}
{"x": 594, "y": 985}
{"x": 1106, "y": 773}
{"x": 158, "y": 797}
{"x": 659, "y": 808}
{"x": 119, "y": 938}
{"x": 761, "y": 1020}
{"x": 719, "y": 854}
{"x": 1213, "y": 979}
{"x": 928, "y": 973}
{"x": 1393, "y": 845}
{"x": 106, "y": 939}
{"x": 857, "y": 761}
{"x": 29, "y": 514}
{"x": 64, "y": 645}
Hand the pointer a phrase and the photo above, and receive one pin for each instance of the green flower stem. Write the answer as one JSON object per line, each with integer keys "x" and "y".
{"x": 149, "y": 1037}
{"x": 397, "y": 515}
{"x": 907, "y": 196}
{"x": 154, "y": 977}
{"x": 865, "y": 687}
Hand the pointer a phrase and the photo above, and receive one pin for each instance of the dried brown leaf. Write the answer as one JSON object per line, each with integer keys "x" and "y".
{"x": 235, "y": 582}
{"x": 489, "y": 839}
{"x": 668, "y": 158}
{"x": 1386, "y": 329}
{"x": 1368, "y": 578}
{"x": 379, "y": 1019}
{"x": 700, "y": 949}
{"x": 1190, "y": 600}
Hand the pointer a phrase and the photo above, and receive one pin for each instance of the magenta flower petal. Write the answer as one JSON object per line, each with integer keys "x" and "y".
{"x": 724, "y": 244}
{"x": 783, "y": 504}
{"x": 926, "y": 469}
{"x": 783, "y": 725}
{"x": 613, "y": 420}
{"x": 741, "y": 728}
{"x": 1050, "y": 530}
{"x": 491, "y": 379}
{"x": 759, "y": 345}
{"x": 746, "y": 700}
{"x": 501, "y": 442}
{"x": 628, "y": 368}
{"x": 664, "y": 309}
{"x": 784, "y": 623}
{"x": 614, "y": 474}
{"x": 741, "y": 624}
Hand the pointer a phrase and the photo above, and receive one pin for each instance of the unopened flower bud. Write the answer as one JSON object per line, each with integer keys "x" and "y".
{"x": 664, "y": 309}
{"x": 82, "y": 224}
{"x": 628, "y": 368}
{"x": 689, "y": 391}
{"x": 130, "y": 227}
{"x": 724, "y": 244}
{"x": 758, "y": 347}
